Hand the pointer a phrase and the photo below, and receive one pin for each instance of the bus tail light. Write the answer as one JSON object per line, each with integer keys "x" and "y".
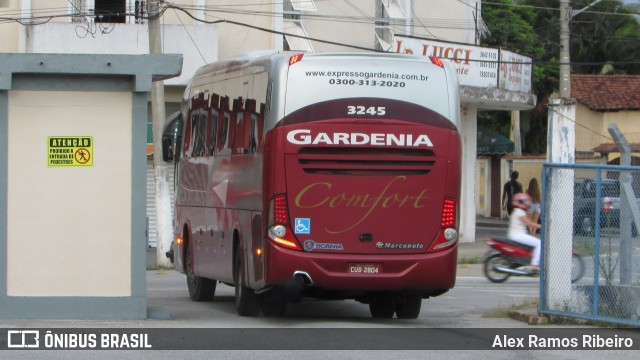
{"x": 279, "y": 230}
{"x": 436, "y": 61}
{"x": 295, "y": 58}
{"x": 448, "y": 235}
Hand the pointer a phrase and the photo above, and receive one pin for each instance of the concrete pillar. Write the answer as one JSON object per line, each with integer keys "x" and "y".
{"x": 559, "y": 220}
{"x": 515, "y": 132}
{"x": 469, "y": 117}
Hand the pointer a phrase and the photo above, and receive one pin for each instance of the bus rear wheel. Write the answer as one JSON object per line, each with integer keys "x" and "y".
{"x": 381, "y": 306}
{"x": 200, "y": 289}
{"x": 247, "y": 301}
{"x": 408, "y": 306}
{"x": 274, "y": 303}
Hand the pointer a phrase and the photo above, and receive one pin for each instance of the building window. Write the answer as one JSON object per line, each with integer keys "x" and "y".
{"x": 79, "y": 9}
{"x": 390, "y": 14}
{"x": 292, "y": 24}
{"x": 302, "y": 5}
{"x": 393, "y": 9}
{"x": 294, "y": 42}
{"x": 384, "y": 38}
{"x": 110, "y": 11}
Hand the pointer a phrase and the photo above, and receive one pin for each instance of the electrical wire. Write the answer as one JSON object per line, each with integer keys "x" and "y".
{"x": 190, "y": 37}
{"x": 185, "y": 9}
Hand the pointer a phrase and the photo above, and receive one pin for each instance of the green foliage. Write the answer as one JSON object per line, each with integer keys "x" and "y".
{"x": 605, "y": 33}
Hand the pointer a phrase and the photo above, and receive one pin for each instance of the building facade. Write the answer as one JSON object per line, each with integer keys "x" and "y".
{"x": 204, "y": 31}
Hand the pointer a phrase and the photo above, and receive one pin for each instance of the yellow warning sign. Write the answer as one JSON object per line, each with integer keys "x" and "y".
{"x": 66, "y": 151}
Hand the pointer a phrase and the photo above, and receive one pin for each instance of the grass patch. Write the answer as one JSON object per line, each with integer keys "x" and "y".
{"x": 469, "y": 260}
{"x": 503, "y": 312}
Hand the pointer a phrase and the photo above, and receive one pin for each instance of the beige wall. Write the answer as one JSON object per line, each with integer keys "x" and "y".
{"x": 361, "y": 33}
{"x": 445, "y": 20}
{"x": 627, "y": 121}
{"x": 9, "y": 30}
{"x": 592, "y": 127}
{"x": 233, "y": 39}
{"x": 69, "y": 229}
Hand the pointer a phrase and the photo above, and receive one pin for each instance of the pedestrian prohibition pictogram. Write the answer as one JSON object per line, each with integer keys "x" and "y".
{"x": 70, "y": 151}
{"x": 82, "y": 156}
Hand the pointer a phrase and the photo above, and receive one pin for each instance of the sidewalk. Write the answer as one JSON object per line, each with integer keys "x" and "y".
{"x": 528, "y": 314}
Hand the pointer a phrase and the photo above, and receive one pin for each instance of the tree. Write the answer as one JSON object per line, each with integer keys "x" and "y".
{"x": 512, "y": 26}
{"x": 606, "y": 33}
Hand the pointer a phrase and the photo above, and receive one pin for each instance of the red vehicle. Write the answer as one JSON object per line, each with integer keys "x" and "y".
{"x": 319, "y": 175}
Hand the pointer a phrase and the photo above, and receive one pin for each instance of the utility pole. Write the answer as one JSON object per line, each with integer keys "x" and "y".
{"x": 566, "y": 14}
{"x": 565, "y": 57}
{"x": 561, "y": 148}
{"x": 158, "y": 115}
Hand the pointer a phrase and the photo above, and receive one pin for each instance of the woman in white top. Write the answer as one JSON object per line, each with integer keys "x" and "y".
{"x": 519, "y": 224}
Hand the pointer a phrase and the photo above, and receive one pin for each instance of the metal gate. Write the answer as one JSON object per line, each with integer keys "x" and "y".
{"x": 590, "y": 219}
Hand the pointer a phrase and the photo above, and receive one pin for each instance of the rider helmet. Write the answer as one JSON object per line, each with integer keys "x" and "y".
{"x": 522, "y": 201}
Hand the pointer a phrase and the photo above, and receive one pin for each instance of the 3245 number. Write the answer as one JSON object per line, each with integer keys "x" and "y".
{"x": 363, "y": 110}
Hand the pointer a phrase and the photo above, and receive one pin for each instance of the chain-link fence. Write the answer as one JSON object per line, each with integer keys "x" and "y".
{"x": 591, "y": 246}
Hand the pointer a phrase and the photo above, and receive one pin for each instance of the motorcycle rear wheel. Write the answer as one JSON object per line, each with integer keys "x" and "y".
{"x": 489, "y": 271}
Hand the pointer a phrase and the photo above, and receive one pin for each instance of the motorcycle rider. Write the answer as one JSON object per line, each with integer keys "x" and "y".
{"x": 519, "y": 224}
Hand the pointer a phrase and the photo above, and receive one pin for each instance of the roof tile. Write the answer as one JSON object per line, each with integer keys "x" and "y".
{"x": 607, "y": 92}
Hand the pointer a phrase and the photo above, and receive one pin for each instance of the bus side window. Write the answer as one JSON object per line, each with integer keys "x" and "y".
{"x": 213, "y": 132}
{"x": 235, "y": 127}
{"x": 224, "y": 119}
{"x": 257, "y": 126}
{"x": 243, "y": 127}
{"x": 170, "y": 137}
{"x": 198, "y": 133}
{"x": 187, "y": 137}
{"x": 212, "y": 124}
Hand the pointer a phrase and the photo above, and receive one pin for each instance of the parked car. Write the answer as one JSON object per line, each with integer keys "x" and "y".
{"x": 584, "y": 214}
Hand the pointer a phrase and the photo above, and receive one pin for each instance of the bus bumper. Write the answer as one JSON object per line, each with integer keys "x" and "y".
{"x": 421, "y": 272}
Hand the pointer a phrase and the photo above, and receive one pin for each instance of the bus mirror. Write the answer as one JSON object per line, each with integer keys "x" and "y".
{"x": 170, "y": 137}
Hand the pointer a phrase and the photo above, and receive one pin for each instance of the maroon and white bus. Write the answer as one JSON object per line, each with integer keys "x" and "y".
{"x": 330, "y": 176}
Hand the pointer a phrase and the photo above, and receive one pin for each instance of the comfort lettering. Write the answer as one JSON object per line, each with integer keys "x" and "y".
{"x": 322, "y": 194}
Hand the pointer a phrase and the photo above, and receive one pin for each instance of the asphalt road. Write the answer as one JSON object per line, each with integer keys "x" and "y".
{"x": 452, "y": 325}
{"x": 455, "y": 324}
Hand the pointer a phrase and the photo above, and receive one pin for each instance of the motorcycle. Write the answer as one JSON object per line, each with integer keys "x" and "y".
{"x": 506, "y": 258}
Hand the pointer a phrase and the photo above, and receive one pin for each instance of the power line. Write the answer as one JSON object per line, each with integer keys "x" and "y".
{"x": 190, "y": 37}
{"x": 184, "y": 9}
{"x": 270, "y": 30}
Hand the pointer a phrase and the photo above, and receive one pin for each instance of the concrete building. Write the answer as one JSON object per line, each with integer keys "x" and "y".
{"x": 207, "y": 30}
{"x": 603, "y": 100}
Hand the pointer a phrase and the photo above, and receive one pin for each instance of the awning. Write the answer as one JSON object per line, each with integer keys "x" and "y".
{"x": 491, "y": 143}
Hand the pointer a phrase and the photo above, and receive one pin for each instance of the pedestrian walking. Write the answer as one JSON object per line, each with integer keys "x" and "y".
{"x": 533, "y": 190}
{"x": 511, "y": 187}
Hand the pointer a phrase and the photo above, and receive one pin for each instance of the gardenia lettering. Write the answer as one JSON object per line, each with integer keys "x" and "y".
{"x": 306, "y": 137}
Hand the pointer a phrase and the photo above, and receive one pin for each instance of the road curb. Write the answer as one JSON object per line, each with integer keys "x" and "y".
{"x": 529, "y": 315}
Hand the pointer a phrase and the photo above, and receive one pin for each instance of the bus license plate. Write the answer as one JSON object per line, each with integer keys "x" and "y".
{"x": 365, "y": 269}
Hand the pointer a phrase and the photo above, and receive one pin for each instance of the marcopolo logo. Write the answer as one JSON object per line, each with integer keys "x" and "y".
{"x": 398, "y": 246}
{"x": 307, "y": 137}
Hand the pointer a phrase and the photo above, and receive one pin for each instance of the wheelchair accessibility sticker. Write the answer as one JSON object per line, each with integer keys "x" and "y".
{"x": 302, "y": 226}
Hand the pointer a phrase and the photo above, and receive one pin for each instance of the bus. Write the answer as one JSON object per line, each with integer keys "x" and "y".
{"x": 318, "y": 175}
